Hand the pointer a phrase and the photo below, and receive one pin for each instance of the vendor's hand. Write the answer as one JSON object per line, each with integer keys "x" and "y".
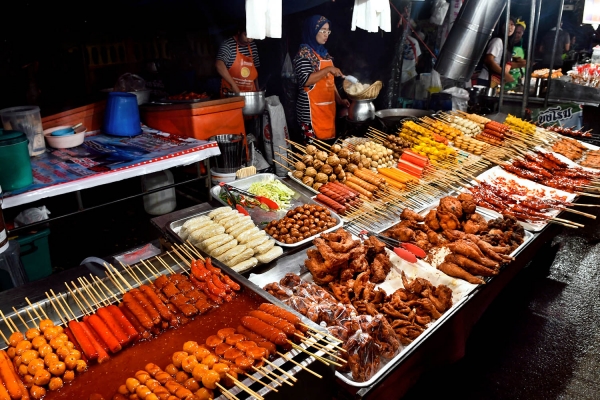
{"x": 335, "y": 72}
{"x": 344, "y": 102}
{"x": 508, "y": 78}
{"x": 235, "y": 89}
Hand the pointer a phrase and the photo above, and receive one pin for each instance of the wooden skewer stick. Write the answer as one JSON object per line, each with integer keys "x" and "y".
{"x": 103, "y": 302}
{"x": 322, "y": 337}
{"x": 133, "y": 276}
{"x": 193, "y": 249}
{"x": 562, "y": 223}
{"x": 323, "y": 360}
{"x": 56, "y": 309}
{"x": 280, "y": 164}
{"x": 174, "y": 250}
{"x": 164, "y": 264}
{"x": 98, "y": 283}
{"x": 312, "y": 342}
{"x": 293, "y": 378}
{"x": 115, "y": 282}
{"x": 244, "y": 387}
{"x": 21, "y": 318}
{"x": 592, "y": 216}
{"x": 34, "y": 310}
{"x": 10, "y": 328}
{"x": 322, "y": 333}
{"x": 226, "y": 392}
{"x": 149, "y": 269}
{"x": 79, "y": 303}
{"x": 118, "y": 274}
{"x": 267, "y": 374}
{"x": 261, "y": 382}
{"x": 4, "y": 337}
{"x": 30, "y": 316}
{"x": 95, "y": 305}
{"x": 60, "y": 301}
{"x": 568, "y": 222}
{"x": 290, "y": 359}
{"x": 188, "y": 254}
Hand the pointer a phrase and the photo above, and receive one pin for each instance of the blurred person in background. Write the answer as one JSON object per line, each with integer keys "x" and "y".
{"x": 491, "y": 73}
{"x": 563, "y": 45}
{"x": 237, "y": 63}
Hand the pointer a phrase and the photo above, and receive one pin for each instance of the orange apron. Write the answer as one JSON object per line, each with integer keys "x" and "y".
{"x": 322, "y": 104}
{"x": 242, "y": 71}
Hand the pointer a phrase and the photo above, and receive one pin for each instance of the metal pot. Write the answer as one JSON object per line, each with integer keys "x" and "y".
{"x": 361, "y": 110}
{"x": 254, "y": 102}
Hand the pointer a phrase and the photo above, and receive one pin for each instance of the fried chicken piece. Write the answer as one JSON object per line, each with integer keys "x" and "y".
{"x": 475, "y": 223}
{"x": 469, "y": 207}
{"x": 417, "y": 285}
{"x": 331, "y": 258}
{"x": 423, "y": 244}
{"x": 365, "y": 307}
{"x": 399, "y": 323}
{"x": 440, "y": 296}
{"x": 374, "y": 246}
{"x": 280, "y": 292}
{"x": 469, "y": 265}
{"x": 425, "y": 306}
{"x": 340, "y": 292}
{"x": 346, "y": 274}
{"x": 359, "y": 264}
{"x": 380, "y": 268}
{"x": 453, "y": 234}
{"x": 423, "y": 320}
{"x": 379, "y": 296}
{"x": 455, "y": 271}
{"x": 402, "y": 233}
{"x": 414, "y": 225}
{"x": 360, "y": 284}
{"x": 407, "y": 213}
{"x": 436, "y": 239}
{"x": 408, "y": 333}
{"x": 340, "y": 241}
{"x": 388, "y": 309}
{"x": 431, "y": 220}
{"x": 400, "y": 296}
{"x": 448, "y": 221}
{"x": 322, "y": 274}
{"x": 489, "y": 250}
{"x": 290, "y": 280}
{"x": 450, "y": 205}
{"x": 470, "y": 250}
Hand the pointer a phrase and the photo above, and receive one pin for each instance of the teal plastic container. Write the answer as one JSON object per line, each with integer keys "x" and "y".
{"x": 35, "y": 254}
{"x": 15, "y": 166}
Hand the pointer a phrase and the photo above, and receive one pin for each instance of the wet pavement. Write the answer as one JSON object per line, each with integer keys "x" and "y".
{"x": 540, "y": 338}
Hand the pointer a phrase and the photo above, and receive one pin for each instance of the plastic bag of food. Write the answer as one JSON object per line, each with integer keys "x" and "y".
{"x": 287, "y": 71}
{"x": 460, "y": 98}
{"x": 31, "y": 215}
{"x": 363, "y": 356}
{"x": 439, "y": 11}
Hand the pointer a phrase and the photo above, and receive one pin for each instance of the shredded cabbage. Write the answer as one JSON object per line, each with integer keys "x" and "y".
{"x": 274, "y": 190}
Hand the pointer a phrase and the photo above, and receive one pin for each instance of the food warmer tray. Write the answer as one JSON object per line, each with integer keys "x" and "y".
{"x": 261, "y": 217}
{"x": 295, "y": 264}
{"x": 290, "y": 368}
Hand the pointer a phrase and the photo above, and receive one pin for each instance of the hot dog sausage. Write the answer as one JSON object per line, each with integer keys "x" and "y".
{"x": 337, "y": 207}
{"x": 134, "y": 321}
{"x": 280, "y": 313}
{"x": 124, "y": 322}
{"x": 113, "y": 325}
{"x": 265, "y": 330}
{"x": 272, "y": 320}
{"x": 358, "y": 189}
{"x": 137, "y": 310}
{"x": 144, "y": 302}
{"x": 9, "y": 376}
{"x": 98, "y": 344}
{"x": 104, "y": 332}
{"x": 84, "y": 342}
{"x": 157, "y": 302}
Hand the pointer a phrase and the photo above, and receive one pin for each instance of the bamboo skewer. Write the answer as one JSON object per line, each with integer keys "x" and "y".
{"x": 290, "y": 359}
{"x": 261, "y": 382}
{"x": 226, "y": 392}
{"x": 579, "y": 212}
{"x": 21, "y": 318}
{"x": 312, "y": 342}
{"x": 10, "y": 328}
{"x": 293, "y": 378}
{"x": 244, "y": 387}
{"x": 266, "y": 373}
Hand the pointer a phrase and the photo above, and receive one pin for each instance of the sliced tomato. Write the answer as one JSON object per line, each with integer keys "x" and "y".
{"x": 405, "y": 255}
{"x": 416, "y": 250}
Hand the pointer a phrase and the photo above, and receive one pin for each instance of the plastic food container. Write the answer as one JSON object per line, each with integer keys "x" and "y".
{"x": 15, "y": 166}
{"x": 26, "y": 119}
{"x": 66, "y": 141}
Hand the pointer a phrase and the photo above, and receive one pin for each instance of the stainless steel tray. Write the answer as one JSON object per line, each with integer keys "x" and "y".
{"x": 299, "y": 182}
{"x": 261, "y": 217}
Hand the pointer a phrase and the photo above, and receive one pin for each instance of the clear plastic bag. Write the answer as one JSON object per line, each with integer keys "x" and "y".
{"x": 435, "y": 85}
{"x": 129, "y": 82}
{"x": 31, "y": 215}
{"x": 363, "y": 356}
{"x": 287, "y": 71}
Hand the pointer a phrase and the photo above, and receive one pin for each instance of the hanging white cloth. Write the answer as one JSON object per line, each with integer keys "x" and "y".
{"x": 371, "y": 15}
{"x": 263, "y": 18}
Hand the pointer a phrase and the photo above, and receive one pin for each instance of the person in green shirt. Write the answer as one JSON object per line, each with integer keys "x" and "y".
{"x": 518, "y": 61}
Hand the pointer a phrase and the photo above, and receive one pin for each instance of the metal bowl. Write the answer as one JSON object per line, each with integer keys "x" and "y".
{"x": 254, "y": 102}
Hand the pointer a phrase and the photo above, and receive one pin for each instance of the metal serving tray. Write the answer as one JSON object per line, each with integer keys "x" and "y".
{"x": 261, "y": 217}
{"x": 299, "y": 182}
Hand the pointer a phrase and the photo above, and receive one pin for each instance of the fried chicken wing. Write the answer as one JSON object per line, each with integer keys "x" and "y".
{"x": 469, "y": 265}
{"x": 340, "y": 292}
{"x": 440, "y": 296}
{"x": 476, "y": 223}
{"x": 407, "y": 213}
{"x": 453, "y": 234}
{"x": 402, "y": 234}
{"x": 431, "y": 220}
{"x": 455, "y": 271}
{"x": 451, "y": 205}
{"x": 332, "y": 259}
{"x": 489, "y": 250}
{"x": 417, "y": 285}
{"x": 380, "y": 268}
{"x": 322, "y": 273}
{"x": 448, "y": 221}
{"x": 436, "y": 239}
{"x": 470, "y": 250}
{"x": 374, "y": 246}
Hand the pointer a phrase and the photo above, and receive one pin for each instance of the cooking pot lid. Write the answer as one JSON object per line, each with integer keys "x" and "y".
{"x": 8, "y": 138}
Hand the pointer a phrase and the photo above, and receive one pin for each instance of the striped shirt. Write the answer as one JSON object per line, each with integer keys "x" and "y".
{"x": 304, "y": 65}
{"x": 227, "y": 52}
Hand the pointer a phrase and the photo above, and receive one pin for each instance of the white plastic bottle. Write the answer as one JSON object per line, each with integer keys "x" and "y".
{"x": 596, "y": 55}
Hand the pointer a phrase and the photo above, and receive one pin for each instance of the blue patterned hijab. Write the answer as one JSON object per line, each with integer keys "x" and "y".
{"x": 311, "y": 28}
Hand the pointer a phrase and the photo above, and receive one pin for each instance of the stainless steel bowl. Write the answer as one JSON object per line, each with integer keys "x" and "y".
{"x": 254, "y": 102}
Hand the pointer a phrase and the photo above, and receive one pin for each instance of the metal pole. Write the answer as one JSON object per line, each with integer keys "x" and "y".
{"x": 560, "y": 11}
{"x": 504, "y": 56}
{"x": 535, "y": 15}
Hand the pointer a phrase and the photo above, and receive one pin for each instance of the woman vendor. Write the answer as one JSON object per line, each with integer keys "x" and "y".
{"x": 237, "y": 61}
{"x": 317, "y": 94}
{"x": 492, "y": 62}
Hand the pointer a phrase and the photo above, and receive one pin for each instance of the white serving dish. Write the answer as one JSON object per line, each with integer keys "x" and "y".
{"x": 65, "y": 142}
